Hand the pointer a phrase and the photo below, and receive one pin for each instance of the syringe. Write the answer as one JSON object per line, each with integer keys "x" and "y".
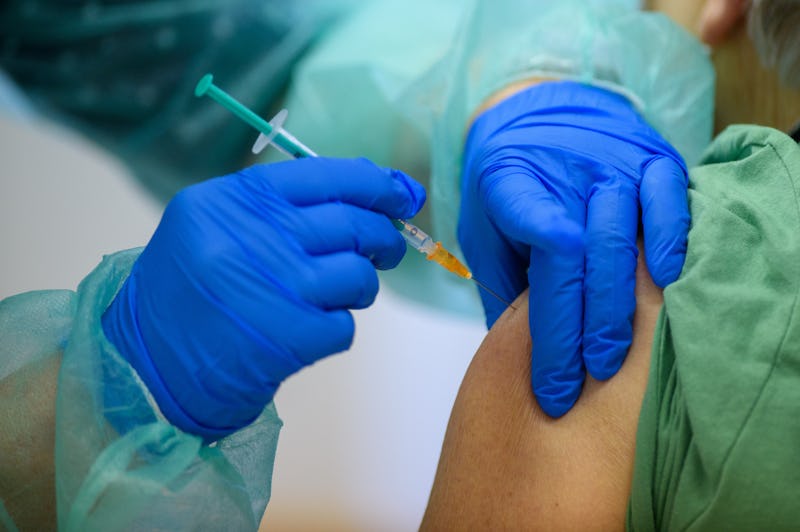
{"x": 273, "y": 133}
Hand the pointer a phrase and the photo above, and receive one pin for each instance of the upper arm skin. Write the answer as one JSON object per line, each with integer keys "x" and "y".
{"x": 505, "y": 464}
{"x": 27, "y": 444}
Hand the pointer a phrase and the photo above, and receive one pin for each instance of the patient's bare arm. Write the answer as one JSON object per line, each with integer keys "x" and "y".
{"x": 27, "y": 444}
{"x": 505, "y": 464}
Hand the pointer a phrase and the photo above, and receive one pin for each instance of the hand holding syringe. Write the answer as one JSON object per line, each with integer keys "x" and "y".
{"x": 273, "y": 133}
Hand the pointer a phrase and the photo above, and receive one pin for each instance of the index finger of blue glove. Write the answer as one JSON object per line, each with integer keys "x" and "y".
{"x": 332, "y": 227}
{"x": 611, "y": 224}
{"x": 526, "y": 211}
{"x": 556, "y": 322}
{"x": 359, "y": 182}
{"x": 665, "y": 218}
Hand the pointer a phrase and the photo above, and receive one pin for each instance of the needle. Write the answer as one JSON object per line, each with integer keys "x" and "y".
{"x": 492, "y": 292}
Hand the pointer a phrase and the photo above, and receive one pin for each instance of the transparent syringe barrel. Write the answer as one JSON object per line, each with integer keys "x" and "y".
{"x": 416, "y": 237}
{"x": 286, "y": 141}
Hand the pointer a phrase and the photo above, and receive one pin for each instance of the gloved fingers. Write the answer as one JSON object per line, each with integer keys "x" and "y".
{"x": 556, "y": 323}
{"x": 288, "y": 330}
{"x": 356, "y": 181}
{"x": 665, "y": 219}
{"x": 611, "y": 226}
{"x": 336, "y": 330}
{"x": 494, "y": 261}
{"x": 343, "y": 280}
{"x": 525, "y": 210}
{"x": 331, "y": 227}
{"x": 306, "y": 333}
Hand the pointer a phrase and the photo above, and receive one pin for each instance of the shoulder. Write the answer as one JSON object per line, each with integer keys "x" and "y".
{"x": 740, "y": 142}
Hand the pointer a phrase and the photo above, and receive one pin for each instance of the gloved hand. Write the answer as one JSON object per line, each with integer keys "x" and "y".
{"x": 552, "y": 183}
{"x": 248, "y": 278}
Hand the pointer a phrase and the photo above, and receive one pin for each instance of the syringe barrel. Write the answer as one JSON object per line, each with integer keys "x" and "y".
{"x": 416, "y": 237}
{"x": 292, "y": 146}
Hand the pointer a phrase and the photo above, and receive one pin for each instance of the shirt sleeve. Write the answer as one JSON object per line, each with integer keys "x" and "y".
{"x": 714, "y": 445}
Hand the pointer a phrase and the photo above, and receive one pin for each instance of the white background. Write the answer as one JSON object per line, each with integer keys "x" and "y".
{"x": 362, "y": 430}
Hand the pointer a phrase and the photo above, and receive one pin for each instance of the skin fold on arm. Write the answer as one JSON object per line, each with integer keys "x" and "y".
{"x": 505, "y": 464}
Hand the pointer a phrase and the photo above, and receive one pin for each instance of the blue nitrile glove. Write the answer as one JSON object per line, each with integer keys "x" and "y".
{"x": 552, "y": 184}
{"x": 248, "y": 279}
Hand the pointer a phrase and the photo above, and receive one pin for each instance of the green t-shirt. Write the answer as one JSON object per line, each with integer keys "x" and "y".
{"x": 718, "y": 445}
